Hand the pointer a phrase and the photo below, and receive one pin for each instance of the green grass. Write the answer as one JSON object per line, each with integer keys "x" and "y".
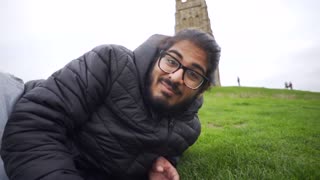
{"x": 256, "y": 133}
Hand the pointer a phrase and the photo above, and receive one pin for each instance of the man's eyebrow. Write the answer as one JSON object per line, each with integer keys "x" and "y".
{"x": 198, "y": 67}
{"x": 176, "y": 53}
{"x": 181, "y": 57}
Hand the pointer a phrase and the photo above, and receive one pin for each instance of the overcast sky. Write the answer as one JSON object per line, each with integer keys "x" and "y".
{"x": 264, "y": 42}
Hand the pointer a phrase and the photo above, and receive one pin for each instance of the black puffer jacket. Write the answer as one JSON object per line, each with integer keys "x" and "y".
{"x": 89, "y": 120}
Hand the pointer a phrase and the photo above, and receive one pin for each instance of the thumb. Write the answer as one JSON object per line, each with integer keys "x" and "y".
{"x": 159, "y": 168}
{"x": 159, "y": 164}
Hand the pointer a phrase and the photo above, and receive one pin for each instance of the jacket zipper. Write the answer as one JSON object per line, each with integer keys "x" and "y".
{"x": 170, "y": 128}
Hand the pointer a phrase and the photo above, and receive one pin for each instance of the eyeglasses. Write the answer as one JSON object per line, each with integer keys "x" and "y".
{"x": 191, "y": 78}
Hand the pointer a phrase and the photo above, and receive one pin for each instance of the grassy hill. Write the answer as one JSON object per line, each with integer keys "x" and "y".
{"x": 256, "y": 133}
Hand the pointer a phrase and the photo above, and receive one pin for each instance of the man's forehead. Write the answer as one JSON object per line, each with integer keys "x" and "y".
{"x": 187, "y": 46}
{"x": 186, "y": 50}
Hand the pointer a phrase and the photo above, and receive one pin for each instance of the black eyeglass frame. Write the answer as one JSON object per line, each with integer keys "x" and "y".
{"x": 205, "y": 79}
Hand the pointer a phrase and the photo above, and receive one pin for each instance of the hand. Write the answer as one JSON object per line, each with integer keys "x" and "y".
{"x": 162, "y": 169}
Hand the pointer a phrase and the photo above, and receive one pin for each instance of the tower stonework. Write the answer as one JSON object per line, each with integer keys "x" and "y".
{"x": 194, "y": 14}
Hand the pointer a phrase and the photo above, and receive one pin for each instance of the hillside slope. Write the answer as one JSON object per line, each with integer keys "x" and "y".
{"x": 256, "y": 133}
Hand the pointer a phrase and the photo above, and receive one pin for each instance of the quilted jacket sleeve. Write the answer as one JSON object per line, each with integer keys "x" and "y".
{"x": 37, "y": 139}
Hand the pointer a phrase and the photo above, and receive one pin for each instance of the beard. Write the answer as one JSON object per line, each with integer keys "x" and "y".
{"x": 161, "y": 105}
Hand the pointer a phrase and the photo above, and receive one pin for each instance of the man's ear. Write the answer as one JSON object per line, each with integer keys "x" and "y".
{"x": 204, "y": 88}
{"x": 200, "y": 95}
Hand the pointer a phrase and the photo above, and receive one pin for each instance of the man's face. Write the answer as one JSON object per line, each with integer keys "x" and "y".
{"x": 167, "y": 91}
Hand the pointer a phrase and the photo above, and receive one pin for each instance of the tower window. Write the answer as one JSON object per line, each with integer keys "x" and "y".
{"x": 183, "y": 1}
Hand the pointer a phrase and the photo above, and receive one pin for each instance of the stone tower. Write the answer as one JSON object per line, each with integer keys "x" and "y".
{"x": 194, "y": 14}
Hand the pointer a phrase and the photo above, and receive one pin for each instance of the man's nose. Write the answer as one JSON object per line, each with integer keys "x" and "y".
{"x": 177, "y": 76}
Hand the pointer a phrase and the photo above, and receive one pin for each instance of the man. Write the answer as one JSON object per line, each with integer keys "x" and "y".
{"x": 113, "y": 113}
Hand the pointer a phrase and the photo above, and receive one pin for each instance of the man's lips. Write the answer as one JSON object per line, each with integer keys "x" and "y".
{"x": 169, "y": 89}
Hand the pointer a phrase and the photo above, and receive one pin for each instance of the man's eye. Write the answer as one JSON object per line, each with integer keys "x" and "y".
{"x": 193, "y": 75}
{"x": 172, "y": 62}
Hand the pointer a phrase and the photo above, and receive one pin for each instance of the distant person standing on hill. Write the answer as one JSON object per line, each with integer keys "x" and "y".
{"x": 238, "y": 80}
{"x": 286, "y": 85}
{"x": 113, "y": 113}
{"x": 290, "y": 85}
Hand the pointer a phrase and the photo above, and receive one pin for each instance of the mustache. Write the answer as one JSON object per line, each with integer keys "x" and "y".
{"x": 173, "y": 86}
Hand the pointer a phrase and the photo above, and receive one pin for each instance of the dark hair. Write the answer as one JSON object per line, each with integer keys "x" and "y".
{"x": 204, "y": 41}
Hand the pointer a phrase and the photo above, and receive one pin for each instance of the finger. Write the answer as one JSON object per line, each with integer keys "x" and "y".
{"x": 176, "y": 177}
{"x": 173, "y": 173}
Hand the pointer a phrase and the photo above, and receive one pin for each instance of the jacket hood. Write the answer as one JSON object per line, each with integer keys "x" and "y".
{"x": 146, "y": 54}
